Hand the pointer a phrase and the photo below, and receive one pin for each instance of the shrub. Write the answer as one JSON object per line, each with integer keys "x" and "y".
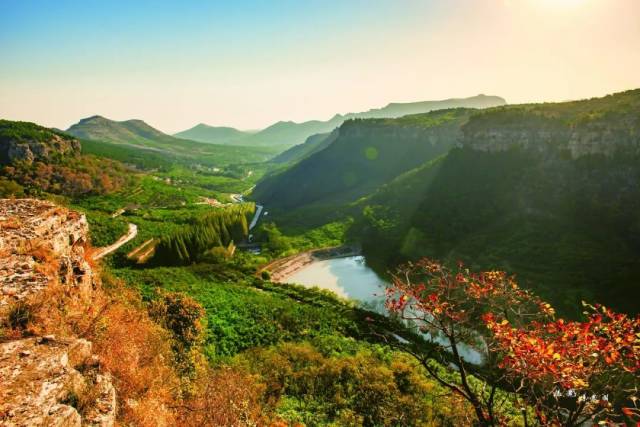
{"x": 21, "y": 315}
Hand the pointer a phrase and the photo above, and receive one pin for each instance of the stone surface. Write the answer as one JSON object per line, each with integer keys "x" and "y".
{"x": 29, "y": 150}
{"x": 579, "y": 140}
{"x": 46, "y": 380}
{"x": 42, "y": 379}
{"x": 41, "y": 244}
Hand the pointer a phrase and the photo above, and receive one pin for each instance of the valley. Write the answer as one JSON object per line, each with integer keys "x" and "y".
{"x": 288, "y": 254}
{"x": 320, "y": 213}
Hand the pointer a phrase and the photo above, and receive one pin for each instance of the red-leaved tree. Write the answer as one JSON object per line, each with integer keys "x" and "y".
{"x": 563, "y": 372}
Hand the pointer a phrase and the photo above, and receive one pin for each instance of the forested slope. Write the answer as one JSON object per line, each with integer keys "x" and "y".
{"x": 550, "y": 192}
{"x": 365, "y": 155}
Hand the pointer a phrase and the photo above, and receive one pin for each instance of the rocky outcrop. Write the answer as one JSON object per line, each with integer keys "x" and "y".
{"x": 37, "y": 237}
{"x": 30, "y": 150}
{"x": 48, "y": 380}
{"x": 597, "y": 132}
{"x": 445, "y": 135}
{"x": 606, "y": 139}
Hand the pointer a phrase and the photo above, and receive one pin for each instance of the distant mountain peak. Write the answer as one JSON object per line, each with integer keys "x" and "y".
{"x": 92, "y": 118}
{"x": 203, "y": 132}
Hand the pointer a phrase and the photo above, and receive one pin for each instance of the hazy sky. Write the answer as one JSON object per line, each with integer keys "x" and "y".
{"x": 250, "y": 63}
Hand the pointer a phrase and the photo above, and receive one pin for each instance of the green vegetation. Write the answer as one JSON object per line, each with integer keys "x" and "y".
{"x": 215, "y": 229}
{"x": 280, "y": 244}
{"x": 26, "y": 132}
{"x": 333, "y": 380}
{"x": 322, "y": 360}
{"x": 566, "y": 226}
{"x": 245, "y": 312}
{"x": 198, "y": 156}
{"x": 559, "y": 224}
{"x": 135, "y": 142}
{"x": 608, "y": 109}
{"x": 546, "y": 191}
{"x": 509, "y": 188}
{"x": 35, "y": 160}
{"x": 104, "y": 228}
{"x": 365, "y": 155}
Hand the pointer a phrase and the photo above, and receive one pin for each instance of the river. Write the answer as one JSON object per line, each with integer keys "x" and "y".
{"x": 351, "y": 278}
{"x": 348, "y": 277}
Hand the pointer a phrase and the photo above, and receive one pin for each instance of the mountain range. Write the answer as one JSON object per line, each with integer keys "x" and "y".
{"x": 134, "y": 141}
{"x": 288, "y": 133}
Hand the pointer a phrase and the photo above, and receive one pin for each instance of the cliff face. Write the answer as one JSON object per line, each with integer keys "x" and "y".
{"x": 607, "y": 139}
{"x": 46, "y": 379}
{"x": 443, "y": 135}
{"x": 22, "y": 141}
{"x": 579, "y": 140}
{"x": 34, "y": 232}
{"x": 604, "y": 126}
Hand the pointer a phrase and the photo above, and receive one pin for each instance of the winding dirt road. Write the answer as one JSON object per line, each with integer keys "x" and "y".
{"x": 131, "y": 234}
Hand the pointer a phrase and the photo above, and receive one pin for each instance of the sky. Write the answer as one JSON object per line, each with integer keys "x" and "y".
{"x": 250, "y": 63}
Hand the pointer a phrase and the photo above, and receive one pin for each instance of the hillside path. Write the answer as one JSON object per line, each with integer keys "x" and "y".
{"x": 130, "y": 235}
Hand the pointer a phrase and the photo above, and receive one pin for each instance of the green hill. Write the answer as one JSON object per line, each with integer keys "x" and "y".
{"x": 212, "y": 134}
{"x": 135, "y": 141}
{"x": 364, "y": 155}
{"x": 287, "y": 134}
{"x": 99, "y": 128}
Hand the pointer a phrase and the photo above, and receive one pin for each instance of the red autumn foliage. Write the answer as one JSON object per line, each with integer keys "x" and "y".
{"x": 568, "y": 372}
{"x": 591, "y": 361}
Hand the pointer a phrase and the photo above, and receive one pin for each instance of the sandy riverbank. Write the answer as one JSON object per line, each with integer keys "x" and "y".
{"x": 282, "y": 268}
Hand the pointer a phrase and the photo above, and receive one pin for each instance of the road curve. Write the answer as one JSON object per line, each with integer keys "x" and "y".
{"x": 130, "y": 235}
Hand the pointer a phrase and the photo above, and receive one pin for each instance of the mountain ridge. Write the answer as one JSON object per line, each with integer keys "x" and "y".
{"x": 100, "y": 128}
{"x": 287, "y": 133}
{"x": 212, "y": 134}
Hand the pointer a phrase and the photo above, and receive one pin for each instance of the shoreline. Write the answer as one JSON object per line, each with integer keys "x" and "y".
{"x": 283, "y": 268}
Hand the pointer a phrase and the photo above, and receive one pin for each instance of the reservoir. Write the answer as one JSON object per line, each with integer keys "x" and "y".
{"x": 347, "y": 277}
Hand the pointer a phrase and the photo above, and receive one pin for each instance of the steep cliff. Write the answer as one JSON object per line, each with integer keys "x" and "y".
{"x": 47, "y": 379}
{"x": 606, "y": 126}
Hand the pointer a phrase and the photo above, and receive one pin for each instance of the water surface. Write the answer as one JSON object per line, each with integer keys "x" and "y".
{"x": 351, "y": 278}
{"x": 347, "y": 277}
